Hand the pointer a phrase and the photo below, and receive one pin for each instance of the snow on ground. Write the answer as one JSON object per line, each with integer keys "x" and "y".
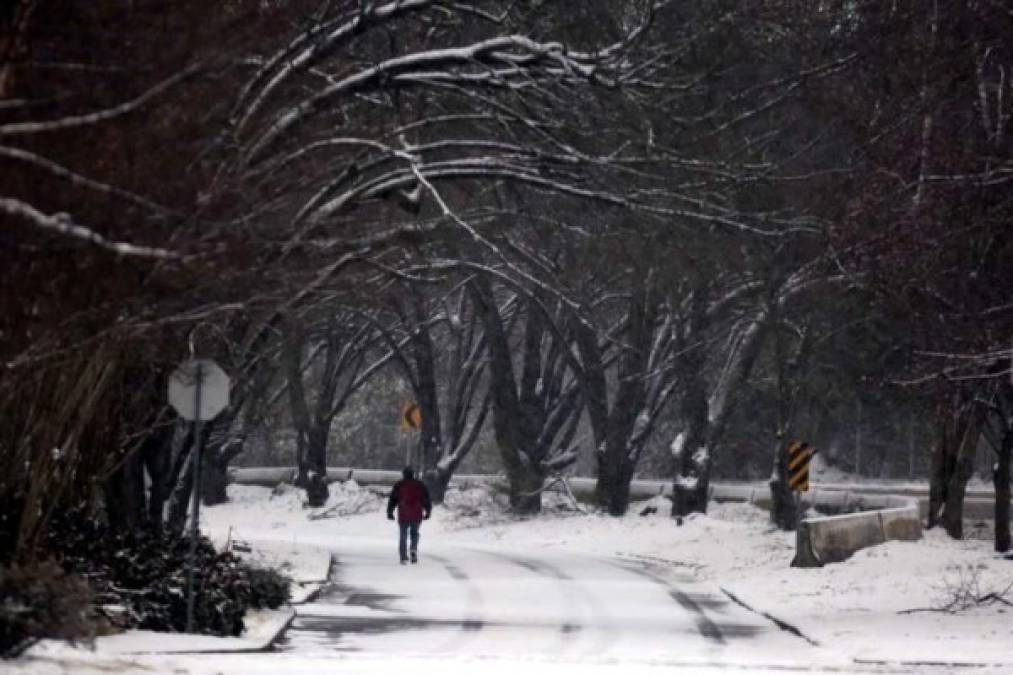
{"x": 855, "y": 606}
{"x": 854, "y": 603}
{"x": 851, "y": 605}
{"x": 822, "y": 472}
{"x": 862, "y": 605}
{"x": 257, "y": 525}
{"x": 731, "y": 539}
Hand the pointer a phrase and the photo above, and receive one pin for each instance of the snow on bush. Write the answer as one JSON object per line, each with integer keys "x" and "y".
{"x": 143, "y": 575}
{"x": 490, "y": 505}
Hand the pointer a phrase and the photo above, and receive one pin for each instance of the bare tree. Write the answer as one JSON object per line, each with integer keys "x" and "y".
{"x": 334, "y": 354}
{"x": 536, "y": 397}
{"x": 443, "y": 356}
{"x": 997, "y": 428}
{"x": 641, "y": 345}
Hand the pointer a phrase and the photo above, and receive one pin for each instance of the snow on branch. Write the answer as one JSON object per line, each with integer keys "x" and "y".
{"x": 288, "y": 64}
{"x": 507, "y": 50}
{"x": 61, "y": 223}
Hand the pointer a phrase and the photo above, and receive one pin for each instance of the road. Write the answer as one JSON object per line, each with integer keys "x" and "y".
{"x": 541, "y": 606}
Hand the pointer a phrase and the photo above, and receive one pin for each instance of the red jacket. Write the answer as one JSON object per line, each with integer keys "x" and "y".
{"x": 411, "y": 498}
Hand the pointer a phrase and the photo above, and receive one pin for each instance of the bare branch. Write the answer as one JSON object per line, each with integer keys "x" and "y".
{"x": 61, "y": 223}
{"x": 22, "y": 128}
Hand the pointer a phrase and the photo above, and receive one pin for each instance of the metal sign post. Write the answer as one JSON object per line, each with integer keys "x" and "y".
{"x": 198, "y": 390}
{"x": 411, "y": 420}
{"x": 195, "y": 460}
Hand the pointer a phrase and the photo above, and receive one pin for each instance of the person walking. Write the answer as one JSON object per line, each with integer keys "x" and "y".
{"x": 411, "y": 498}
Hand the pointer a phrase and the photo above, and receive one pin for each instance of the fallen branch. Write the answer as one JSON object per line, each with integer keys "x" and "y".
{"x": 965, "y": 595}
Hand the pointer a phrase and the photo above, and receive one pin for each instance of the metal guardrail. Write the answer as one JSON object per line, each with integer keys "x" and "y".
{"x": 978, "y": 504}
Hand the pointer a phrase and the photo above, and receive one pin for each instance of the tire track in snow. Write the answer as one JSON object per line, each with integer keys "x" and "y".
{"x": 471, "y": 622}
{"x": 704, "y": 625}
{"x": 571, "y": 628}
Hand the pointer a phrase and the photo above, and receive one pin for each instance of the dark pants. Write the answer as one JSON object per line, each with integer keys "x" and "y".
{"x": 408, "y": 527}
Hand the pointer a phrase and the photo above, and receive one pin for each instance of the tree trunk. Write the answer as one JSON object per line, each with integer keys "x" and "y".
{"x": 156, "y": 452}
{"x": 214, "y": 480}
{"x": 784, "y": 511}
{"x": 526, "y": 486}
{"x": 124, "y": 495}
{"x": 858, "y": 441}
{"x": 693, "y": 461}
{"x": 312, "y": 470}
{"x": 911, "y": 450}
{"x": 215, "y": 474}
{"x": 692, "y": 497}
{"x": 942, "y": 467}
{"x": 612, "y": 489}
{"x": 437, "y": 480}
{"x": 179, "y": 500}
{"x": 692, "y": 474}
{"x": 953, "y": 513}
{"x": 311, "y": 432}
{"x": 1001, "y": 481}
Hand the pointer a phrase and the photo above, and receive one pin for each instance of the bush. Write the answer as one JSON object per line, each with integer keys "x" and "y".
{"x": 42, "y": 601}
{"x": 145, "y": 575}
{"x": 268, "y": 588}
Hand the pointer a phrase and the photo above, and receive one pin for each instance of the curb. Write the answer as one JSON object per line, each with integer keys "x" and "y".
{"x": 780, "y": 623}
{"x": 279, "y": 631}
{"x": 140, "y": 642}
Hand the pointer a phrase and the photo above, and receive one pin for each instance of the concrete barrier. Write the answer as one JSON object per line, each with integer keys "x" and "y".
{"x": 835, "y": 538}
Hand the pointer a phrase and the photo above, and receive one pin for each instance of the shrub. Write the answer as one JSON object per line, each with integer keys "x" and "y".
{"x": 268, "y": 588}
{"x": 145, "y": 574}
{"x": 42, "y": 601}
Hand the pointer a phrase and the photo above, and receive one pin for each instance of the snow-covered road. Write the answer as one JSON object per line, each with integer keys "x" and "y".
{"x": 571, "y": 593}
{"x": 540, "y": 605}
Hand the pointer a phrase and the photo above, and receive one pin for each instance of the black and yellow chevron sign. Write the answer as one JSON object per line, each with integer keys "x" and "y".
{"x": 799, "y": 455}
{"x": 411, "y": 416}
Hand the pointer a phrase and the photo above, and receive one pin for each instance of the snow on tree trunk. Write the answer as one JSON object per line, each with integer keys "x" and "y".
{"x": 692, "y": 455}
{"x": 692, "y": 484}
{"x": 312, "y": 470}
{"x": 437, "y": 481}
